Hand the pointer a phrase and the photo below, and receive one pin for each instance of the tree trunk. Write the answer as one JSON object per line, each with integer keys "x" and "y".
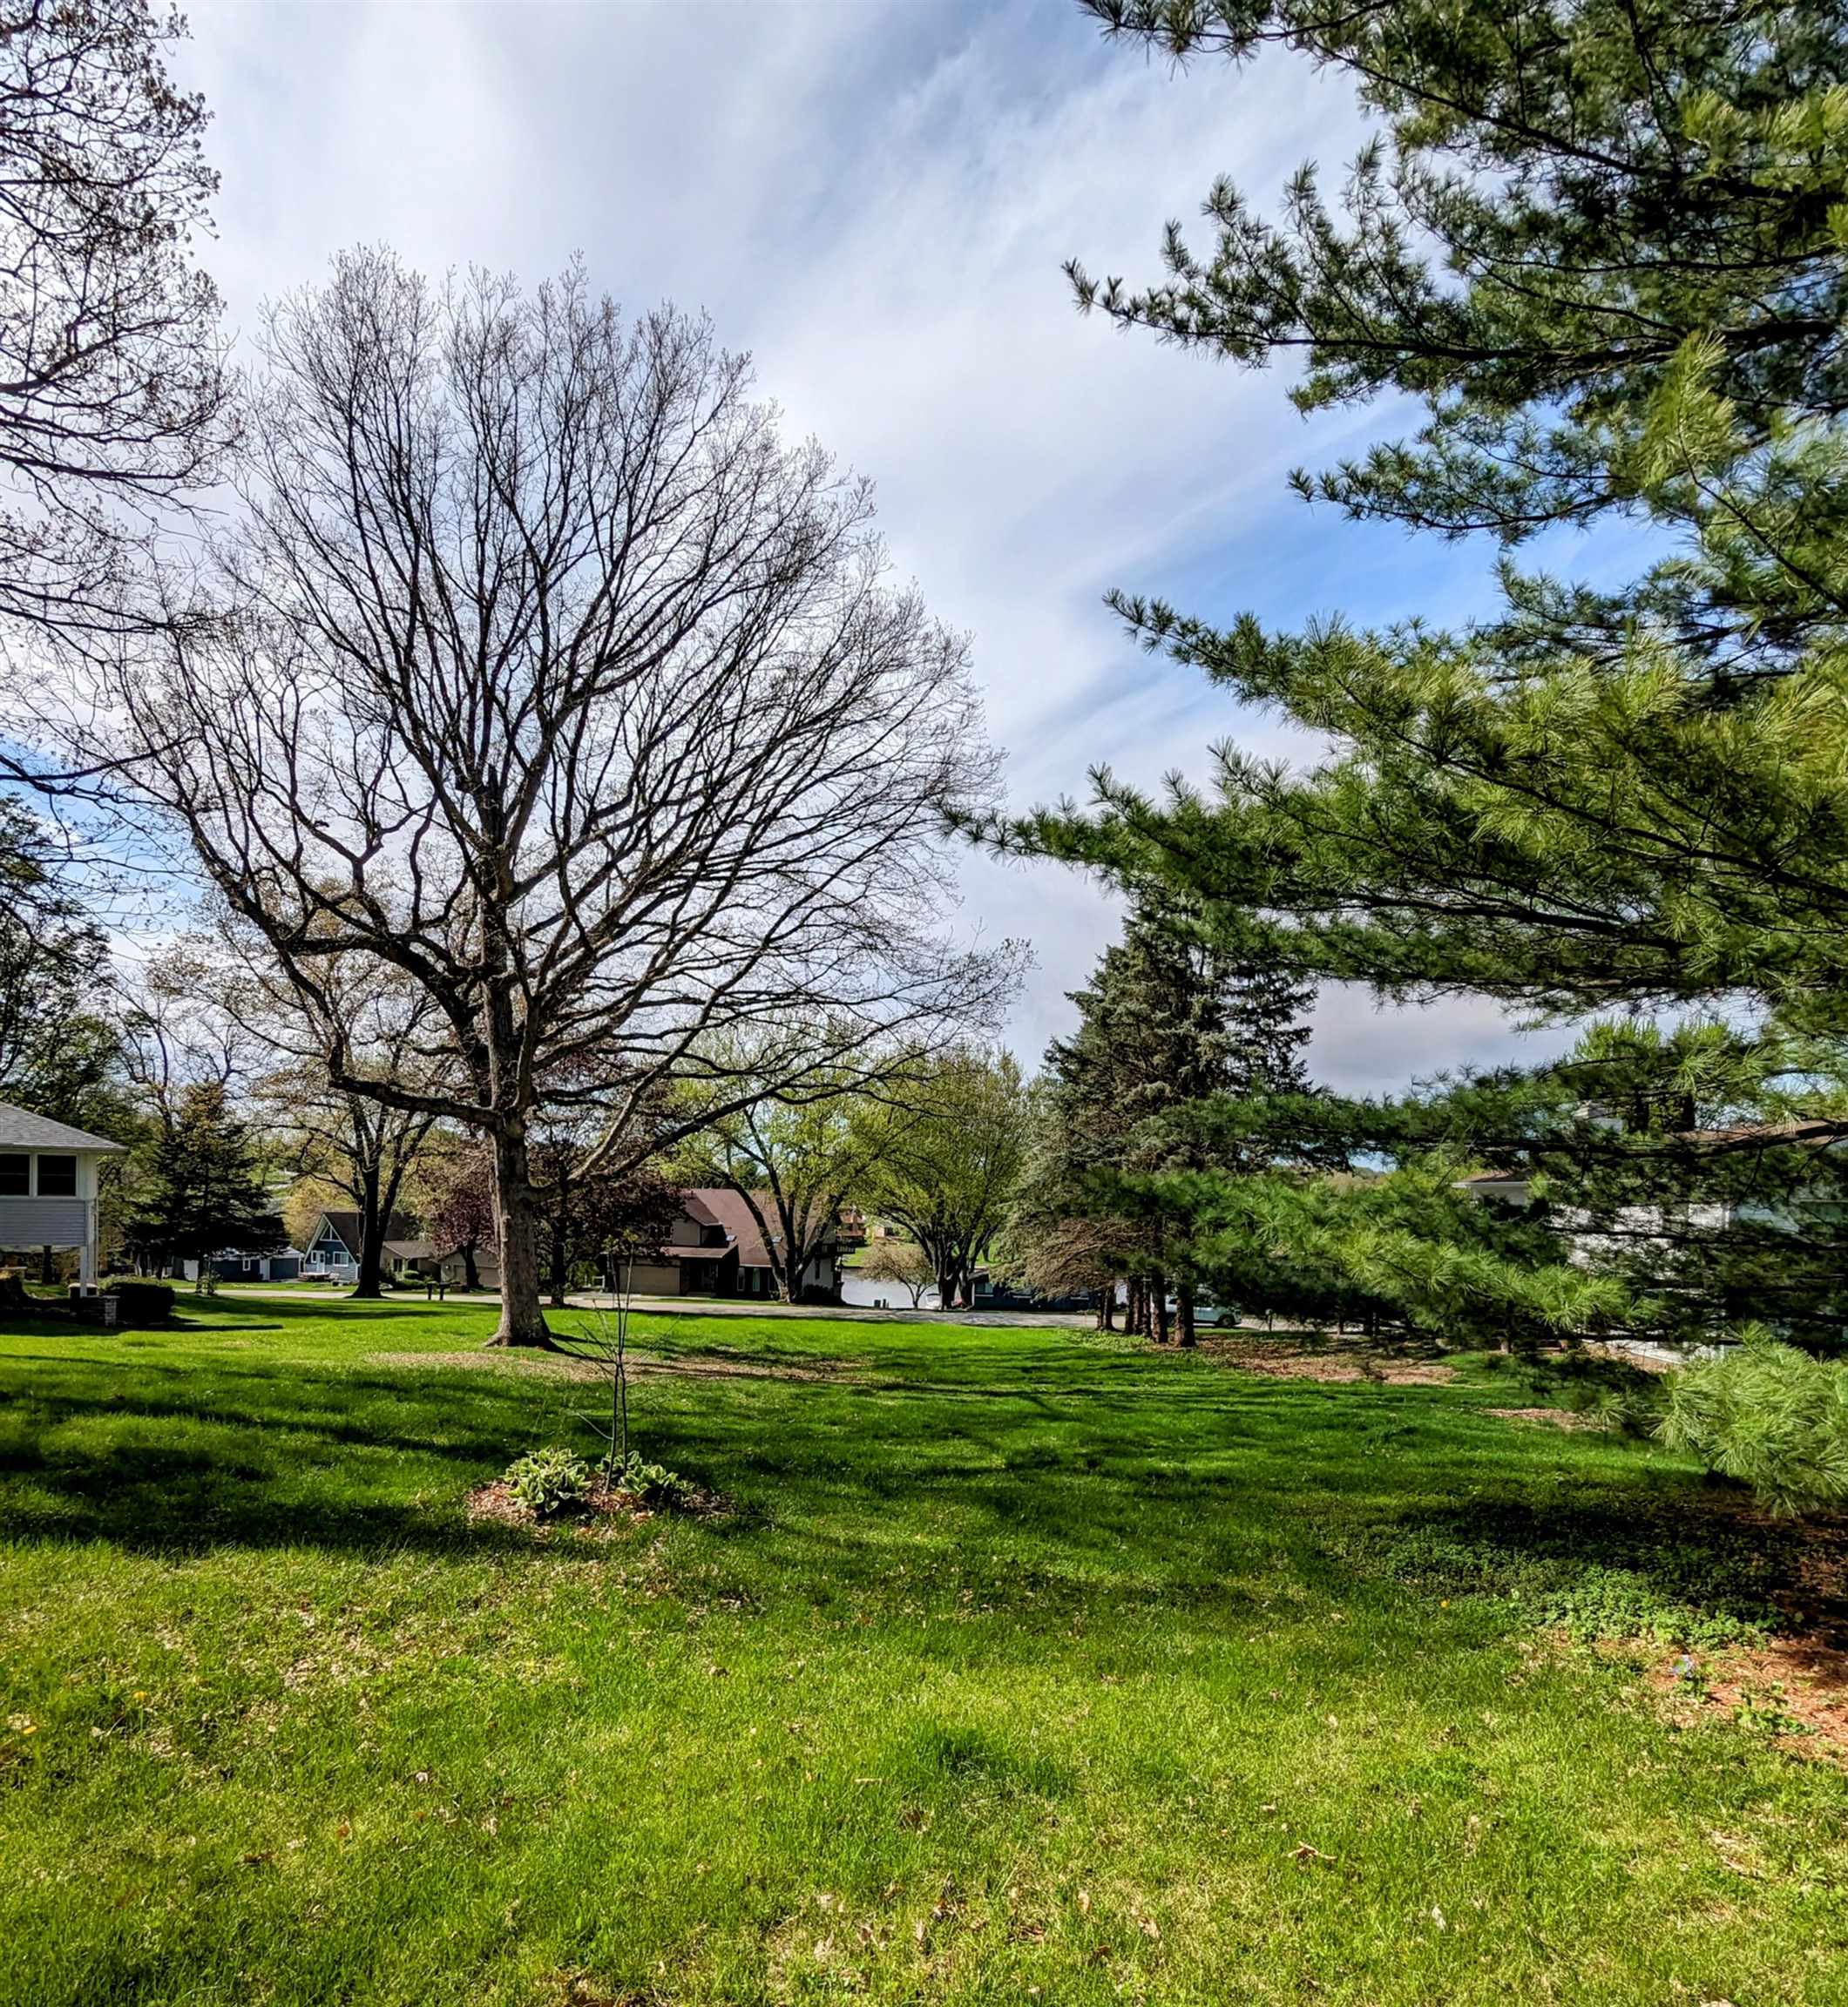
{"x": 794, "y": 1215}
{"x": 1135, "y": 1310}
{"x": 471, "y": 1270}
{"x": 371, "y": 1241}
{"x": 1158, "y": 1301}
{"x": 1107, "y": 1308}
{"x": 1184, "y": 1316}
{"x": 522, "y": 1319}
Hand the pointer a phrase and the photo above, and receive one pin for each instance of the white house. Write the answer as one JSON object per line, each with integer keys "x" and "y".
{"x": 47, "y": 1186}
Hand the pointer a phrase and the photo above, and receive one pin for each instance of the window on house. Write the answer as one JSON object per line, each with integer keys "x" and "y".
{"x": 15, "y": 1177}
{"x": 58, "y": 1177}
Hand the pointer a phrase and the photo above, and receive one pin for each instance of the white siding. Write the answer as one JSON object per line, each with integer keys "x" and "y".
{"x": 43, "y": 1222}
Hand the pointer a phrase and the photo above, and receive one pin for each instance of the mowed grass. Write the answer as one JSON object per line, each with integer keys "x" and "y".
{"x": 1029, "y": 1666}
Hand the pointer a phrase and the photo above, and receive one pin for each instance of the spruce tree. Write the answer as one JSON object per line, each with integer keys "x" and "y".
{"x": 203, "y": 1190}
{"x": 1174, "y": 1022}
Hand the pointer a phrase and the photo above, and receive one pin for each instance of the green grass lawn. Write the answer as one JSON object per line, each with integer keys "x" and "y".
{"x": 1028, "y": 1666}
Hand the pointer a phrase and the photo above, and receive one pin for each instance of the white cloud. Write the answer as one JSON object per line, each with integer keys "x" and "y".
{"x": 876, "y": 200}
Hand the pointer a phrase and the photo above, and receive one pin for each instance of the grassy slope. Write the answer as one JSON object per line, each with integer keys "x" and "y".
{"x": 1027, "y": 1662}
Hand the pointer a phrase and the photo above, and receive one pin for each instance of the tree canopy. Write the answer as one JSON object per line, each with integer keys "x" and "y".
{"x": 558, "y": 685}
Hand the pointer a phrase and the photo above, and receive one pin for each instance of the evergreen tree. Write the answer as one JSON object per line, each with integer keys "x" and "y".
{"x": 1602, "y": 243}
{"x": 1175, "y": 1021}
{"x": 202, "y": 1190}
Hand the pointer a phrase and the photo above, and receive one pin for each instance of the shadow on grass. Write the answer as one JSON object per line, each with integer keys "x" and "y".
{"x": 172, "y": 1503}
{"x": 1060, "y": 1474}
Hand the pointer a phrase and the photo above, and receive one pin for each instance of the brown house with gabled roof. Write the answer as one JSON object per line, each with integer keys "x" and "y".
{"x": 715, "y": 1249}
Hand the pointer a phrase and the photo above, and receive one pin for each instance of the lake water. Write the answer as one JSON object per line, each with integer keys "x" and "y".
{"x": 863, "y": 1293}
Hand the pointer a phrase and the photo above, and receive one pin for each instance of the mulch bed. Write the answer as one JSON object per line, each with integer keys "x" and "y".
{"x": 1801, "y": 1673}
{"x": 1802, "y": 1680}
{"x": 606, "y": 1510}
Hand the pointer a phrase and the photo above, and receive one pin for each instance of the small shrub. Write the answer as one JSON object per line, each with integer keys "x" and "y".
{"x": 1769, "y": 1416}
{"x": 548, "y": 1481}
{"x": 654, "y": 1485}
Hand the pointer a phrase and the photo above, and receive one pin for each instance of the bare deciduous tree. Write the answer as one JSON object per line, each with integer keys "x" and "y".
{"x": 357, "y": 1016}
{"x": 114, "y": 395}
{"x": 561, "y": 686}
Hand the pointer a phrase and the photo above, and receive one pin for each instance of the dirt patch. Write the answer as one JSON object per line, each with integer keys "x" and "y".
{"x": 1795, "y": 1689}
{"x": 1549, "y": 1417}
{"x": 1336, "y": 1364}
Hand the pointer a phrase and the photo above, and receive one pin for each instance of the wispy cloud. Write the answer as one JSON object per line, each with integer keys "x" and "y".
{"x": 876, "y": 200}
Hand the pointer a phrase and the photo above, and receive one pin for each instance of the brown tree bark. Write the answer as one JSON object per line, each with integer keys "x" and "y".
{"x": 1107, "y": 1308}
{"x": 522, "y": 1317}
{"x": 1158, "y": 1301}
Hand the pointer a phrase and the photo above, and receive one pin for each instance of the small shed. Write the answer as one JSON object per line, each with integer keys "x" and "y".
{"x": 48, "y": 1186}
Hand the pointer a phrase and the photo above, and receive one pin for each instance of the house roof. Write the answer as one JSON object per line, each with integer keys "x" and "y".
{"x": 718, "y": 1205}
{"x": 693, "y": 1204}
{"x": 345, "y": 1224}
{"x": 22, "y": 1130}
{"x": 410, "y": 1250}
{"x": 1817, "y": 1129}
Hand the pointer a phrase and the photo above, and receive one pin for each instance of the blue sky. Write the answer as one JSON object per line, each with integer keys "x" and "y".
{"x": 875, "y": 201}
